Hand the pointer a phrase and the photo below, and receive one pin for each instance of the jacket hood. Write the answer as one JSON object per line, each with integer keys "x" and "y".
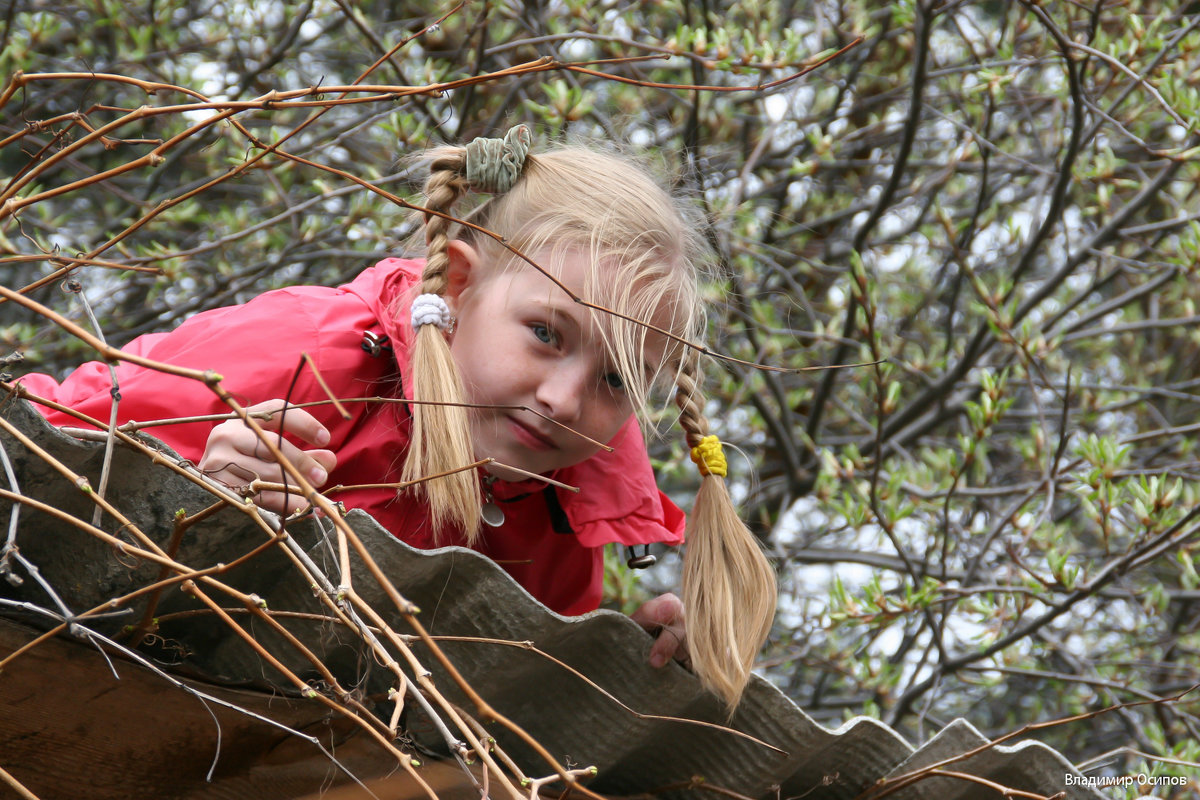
{"x": 388, "y": 289}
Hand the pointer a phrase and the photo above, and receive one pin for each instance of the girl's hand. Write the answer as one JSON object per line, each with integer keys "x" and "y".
{"x": 234, "y": 455}
{"x": 662, "y": 618}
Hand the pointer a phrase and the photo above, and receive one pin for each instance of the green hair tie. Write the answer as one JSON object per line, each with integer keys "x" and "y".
{"x": 493, "y": 165}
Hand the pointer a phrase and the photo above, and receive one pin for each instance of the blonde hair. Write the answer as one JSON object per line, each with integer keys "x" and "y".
{"x": 647, "y": 250}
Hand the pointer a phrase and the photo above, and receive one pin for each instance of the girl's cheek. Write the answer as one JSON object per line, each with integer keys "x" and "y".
{"x": 613, "y": 413}
{"x": 619, "y": 404}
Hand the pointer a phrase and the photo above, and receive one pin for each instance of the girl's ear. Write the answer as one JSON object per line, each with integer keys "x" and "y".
{"x": 462, "y": 269}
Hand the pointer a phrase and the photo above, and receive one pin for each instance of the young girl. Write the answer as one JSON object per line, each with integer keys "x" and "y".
{"x": 500, "y": 362}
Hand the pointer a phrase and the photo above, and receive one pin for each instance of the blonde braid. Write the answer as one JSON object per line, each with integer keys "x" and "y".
{"x": 441, "y": 430}
{"x": 728, "y": 585}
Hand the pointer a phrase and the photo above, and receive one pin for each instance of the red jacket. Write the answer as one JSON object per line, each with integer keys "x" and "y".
{"x": 551, "y": 541}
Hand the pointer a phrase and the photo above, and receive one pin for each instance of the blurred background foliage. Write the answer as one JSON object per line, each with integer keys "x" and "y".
{"x": 995, "y": 202}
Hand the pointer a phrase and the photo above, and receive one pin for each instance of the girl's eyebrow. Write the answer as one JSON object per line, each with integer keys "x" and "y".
{"x": 560, "y": 311}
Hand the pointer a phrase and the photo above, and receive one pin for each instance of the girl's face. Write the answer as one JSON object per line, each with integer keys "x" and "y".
{"x": 521, "y": 341}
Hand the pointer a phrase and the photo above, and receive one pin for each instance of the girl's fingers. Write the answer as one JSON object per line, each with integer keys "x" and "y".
{"x": 326, "y": 459}
{"x": 235, "y": 455}
{"x": 663, "y": 618}
{"x": 315, "y": 465}
{"x": 240, "y": 470}
{"x": 295, "y": 421}
{"x": 665, "y": 609}
{"x": 669, "y": 644}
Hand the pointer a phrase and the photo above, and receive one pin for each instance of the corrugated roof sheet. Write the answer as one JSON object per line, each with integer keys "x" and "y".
{"x": 643, "y": 729}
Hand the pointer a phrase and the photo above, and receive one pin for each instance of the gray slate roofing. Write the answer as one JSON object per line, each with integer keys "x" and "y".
{"x": 461, "y": 593}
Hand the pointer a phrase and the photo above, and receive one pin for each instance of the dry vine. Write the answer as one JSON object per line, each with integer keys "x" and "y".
{"x": 991, "y": 206}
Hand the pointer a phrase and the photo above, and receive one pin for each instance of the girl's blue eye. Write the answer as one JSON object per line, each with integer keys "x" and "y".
{"x": 614, "y": 381}
{"x": 543, "y": 334}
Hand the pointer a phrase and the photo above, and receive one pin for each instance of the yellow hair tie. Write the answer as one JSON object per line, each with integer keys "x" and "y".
{"x": 709, "y": 456}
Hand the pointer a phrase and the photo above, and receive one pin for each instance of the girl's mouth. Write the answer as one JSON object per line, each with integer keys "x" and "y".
{"x": 530, "y": 437}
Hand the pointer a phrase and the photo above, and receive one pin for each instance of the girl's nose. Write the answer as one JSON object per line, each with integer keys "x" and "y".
{"x": 561, "y": 392}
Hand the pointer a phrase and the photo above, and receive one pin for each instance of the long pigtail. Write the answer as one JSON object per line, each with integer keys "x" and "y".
{"x": 728, "y": 585}
{"x": 441, "y": 429}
